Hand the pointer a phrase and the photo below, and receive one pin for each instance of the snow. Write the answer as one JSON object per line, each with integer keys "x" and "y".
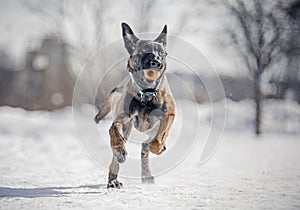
{"x": 44, "y": 167}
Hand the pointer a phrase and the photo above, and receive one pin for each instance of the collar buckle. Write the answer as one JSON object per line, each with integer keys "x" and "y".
{"x": 148, "y": 95}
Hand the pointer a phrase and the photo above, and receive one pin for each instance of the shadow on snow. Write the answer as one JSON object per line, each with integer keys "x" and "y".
{"x": 7, "y": 192}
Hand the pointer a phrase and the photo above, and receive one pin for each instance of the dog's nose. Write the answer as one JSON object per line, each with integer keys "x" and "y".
{"x": 150, "y": 61}
{"x": 155, "y": 64}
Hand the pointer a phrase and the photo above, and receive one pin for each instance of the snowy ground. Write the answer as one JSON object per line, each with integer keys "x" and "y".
{"x": 43, "y": 166}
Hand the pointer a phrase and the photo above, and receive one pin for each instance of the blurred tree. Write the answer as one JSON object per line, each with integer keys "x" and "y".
{"x": 80, "y": 26}
{"x": 256, "y": 36}
{"x": 291, "y": 47}
{"x": 6, "y": 62}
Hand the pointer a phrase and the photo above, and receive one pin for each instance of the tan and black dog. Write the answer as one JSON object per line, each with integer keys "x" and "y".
{"x": 145, "y": 103}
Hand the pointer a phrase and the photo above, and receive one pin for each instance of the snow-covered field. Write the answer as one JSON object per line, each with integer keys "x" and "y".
{"x": 43, "y": 166}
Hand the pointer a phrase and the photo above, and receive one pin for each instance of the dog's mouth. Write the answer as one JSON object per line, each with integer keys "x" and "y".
{"x": 151, "y": 74}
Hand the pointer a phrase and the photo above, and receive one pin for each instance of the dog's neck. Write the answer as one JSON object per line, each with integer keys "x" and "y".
{"x": 148, "y": 94}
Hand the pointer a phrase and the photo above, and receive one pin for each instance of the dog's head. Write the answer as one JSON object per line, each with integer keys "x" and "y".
{"x": 147, "y": 59}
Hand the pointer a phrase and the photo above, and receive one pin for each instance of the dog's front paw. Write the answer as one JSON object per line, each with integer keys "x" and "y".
{"x": 120, "y": 153}
{"x": 148, "y": 180}
{"x": 114, "y": 184}
{"x": 156, "y": 147}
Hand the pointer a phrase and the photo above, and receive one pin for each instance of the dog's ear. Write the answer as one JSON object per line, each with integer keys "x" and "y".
{"x": 162, "y": 38}
{"x": 129, "y": 38}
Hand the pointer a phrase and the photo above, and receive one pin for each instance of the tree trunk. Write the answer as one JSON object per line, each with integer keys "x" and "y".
{"x": 258, "y": 99}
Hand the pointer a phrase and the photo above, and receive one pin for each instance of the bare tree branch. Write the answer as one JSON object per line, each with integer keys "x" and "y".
{"x": 256, "y": 38}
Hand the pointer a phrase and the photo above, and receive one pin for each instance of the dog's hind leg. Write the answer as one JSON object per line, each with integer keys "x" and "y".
{"x": 146, "y": 174}
{"x": 107, "y": 106}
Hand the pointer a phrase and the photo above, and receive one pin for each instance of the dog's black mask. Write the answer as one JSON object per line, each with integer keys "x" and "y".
{"x": 150, "y": 61}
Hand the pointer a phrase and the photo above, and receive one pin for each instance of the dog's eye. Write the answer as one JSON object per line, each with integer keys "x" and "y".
{"x": 139, "y": 55}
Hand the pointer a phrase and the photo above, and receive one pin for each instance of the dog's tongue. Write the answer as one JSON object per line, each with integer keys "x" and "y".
{"x": 151, "y": 74}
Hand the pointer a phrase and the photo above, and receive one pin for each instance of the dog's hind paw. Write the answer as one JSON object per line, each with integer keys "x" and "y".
{"x": 97, "y": 118}
{"x": 114, "y": 184}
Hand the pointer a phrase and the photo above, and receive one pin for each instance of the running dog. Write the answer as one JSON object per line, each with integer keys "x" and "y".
{"x": 146, "y": 103}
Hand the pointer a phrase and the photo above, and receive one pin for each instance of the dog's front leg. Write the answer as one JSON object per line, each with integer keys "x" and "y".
{"x": 117, "y": 142}
{"x": 157, "y": 145}
{"x": 113, "y": 174}
{"x": 119, "y": 131}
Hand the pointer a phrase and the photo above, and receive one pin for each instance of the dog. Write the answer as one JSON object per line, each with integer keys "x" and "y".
{"x": 146, "y": 103}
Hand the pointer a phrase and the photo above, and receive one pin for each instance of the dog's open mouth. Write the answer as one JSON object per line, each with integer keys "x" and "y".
{"x": 151, "y": 74}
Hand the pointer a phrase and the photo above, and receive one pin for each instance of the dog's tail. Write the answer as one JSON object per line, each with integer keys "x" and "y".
{"x": 108, "y": 104}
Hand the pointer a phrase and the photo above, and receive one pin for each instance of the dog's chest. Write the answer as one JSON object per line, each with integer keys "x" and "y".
{"x": 146, "y": 115}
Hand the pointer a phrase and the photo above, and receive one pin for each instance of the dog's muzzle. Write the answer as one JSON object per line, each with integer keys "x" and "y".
{"x": 151, "y": 75}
